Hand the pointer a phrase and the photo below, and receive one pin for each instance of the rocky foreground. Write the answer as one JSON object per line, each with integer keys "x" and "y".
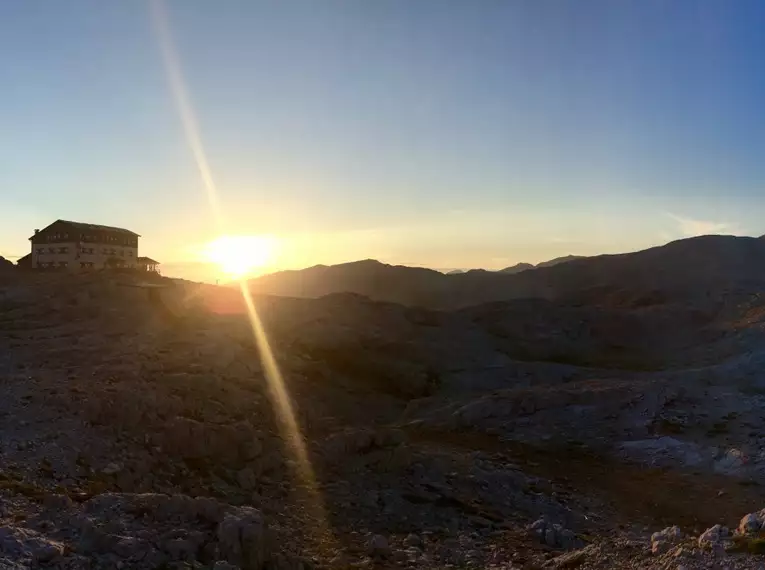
{"x": 139, "y": 430}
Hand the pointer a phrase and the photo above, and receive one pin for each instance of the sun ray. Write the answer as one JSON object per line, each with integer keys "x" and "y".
{"x": 279, "y": 394}
{"x": 289, "y": 425}
{"x": 183, "y": 103}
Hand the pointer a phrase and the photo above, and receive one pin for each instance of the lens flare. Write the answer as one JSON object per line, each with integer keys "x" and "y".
{"x": 227, "y": 254}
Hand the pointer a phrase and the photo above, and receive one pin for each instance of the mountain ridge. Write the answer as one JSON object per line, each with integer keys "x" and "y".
{"x": 693, "y": 267}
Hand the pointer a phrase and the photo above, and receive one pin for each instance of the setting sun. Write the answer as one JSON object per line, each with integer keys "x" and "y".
{"x": 239, "y": 255}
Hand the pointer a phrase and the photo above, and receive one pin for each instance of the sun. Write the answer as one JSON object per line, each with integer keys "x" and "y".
{"x": 238, "y": 256}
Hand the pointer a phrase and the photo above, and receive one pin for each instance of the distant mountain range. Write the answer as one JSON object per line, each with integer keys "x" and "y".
{"x": 700, "y": 268}
{"x": 518, "y": 267}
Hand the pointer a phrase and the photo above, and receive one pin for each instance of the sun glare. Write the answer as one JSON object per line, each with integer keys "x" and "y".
{"x": 238, "y": 256}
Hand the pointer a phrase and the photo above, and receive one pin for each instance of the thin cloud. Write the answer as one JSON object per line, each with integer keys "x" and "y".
{"x": 690, "y": 227}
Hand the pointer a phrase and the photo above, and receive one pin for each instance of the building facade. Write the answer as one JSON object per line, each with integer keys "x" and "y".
{"x": 77, "y": 246}
{"x": 148, "y": 264}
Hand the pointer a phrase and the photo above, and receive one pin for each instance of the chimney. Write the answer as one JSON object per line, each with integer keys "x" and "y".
{"x": 37, "y": 232}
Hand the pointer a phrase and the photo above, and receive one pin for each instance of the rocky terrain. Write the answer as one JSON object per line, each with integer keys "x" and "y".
{"x": 605, "y": 426}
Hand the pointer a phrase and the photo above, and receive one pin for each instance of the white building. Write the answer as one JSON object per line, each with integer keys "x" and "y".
{"x": 76, "y": 246}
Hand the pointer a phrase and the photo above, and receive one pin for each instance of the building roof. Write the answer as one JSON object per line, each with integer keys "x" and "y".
{"x": 147, "y": 260}
{"x": 24, "y": 258}
{"x": 96, "y": 227}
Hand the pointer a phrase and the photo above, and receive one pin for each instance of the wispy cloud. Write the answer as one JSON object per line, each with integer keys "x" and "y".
{"x": 690, "y": 227}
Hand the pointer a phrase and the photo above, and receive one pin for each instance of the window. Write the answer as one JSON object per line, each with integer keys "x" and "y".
{"x": 40, "y": 250}
{"x": 51, "y": 250}
{"x": 130, "y": 253}
{"x": 63, "y": 250}
{"x": 62, "y": 264}
{"x": 105, "y": 251}
{"x": 122, "y": 253}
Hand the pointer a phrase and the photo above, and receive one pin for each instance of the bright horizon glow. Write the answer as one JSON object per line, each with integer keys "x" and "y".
{"x": 239, "y": 256}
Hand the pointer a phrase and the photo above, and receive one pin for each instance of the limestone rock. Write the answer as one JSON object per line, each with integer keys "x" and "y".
{"x": 573, "y": 559}
{"x": 222, "y": 565}
{"x": 713, "y": 537}
{"x": 247, "y": 479}
{"x": 663, "y": 540}
{"x": 378, "y": 546}
{"x": 25, "y": 544}
{"x": 242, "y": 537}
{"x": 751, "y": 523}
{"x": 554, "y": 535}
{"x": 181, "y": 549}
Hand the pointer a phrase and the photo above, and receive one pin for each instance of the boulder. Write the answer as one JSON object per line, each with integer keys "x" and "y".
{"x": 378, "y": 546}
{"x": 242, "y": 537}
{"x": 555, "y": 535}
{"x": 25, "y": 544}
{"x": 751, "y": 523}
{"x": 713, "y": 538}
{"x": 732, "y": 462}
{"x": 247, "y": 479}
{"x": 663, "y": 540}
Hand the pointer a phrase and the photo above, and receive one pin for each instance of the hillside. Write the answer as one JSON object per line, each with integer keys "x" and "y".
{"x": 396, "y": 283}
{"x": 558, "y": 260}
{"x": 512, "y": 431}
{"x": 517, "y": 268}
{"x": 520, "y": 433}
{"x": 700, "y": 268}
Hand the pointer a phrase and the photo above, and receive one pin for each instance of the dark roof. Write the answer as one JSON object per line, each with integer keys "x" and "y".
{"x": 146, "y": 260}
{"x": 23, "y": 258}
{"x": 97, "y": 227}
{"x": 85, "y": 226}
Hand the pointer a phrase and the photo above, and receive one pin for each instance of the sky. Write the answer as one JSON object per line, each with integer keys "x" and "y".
{"x": 440, "y": 133}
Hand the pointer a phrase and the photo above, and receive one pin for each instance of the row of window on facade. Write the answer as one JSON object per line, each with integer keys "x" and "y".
{"x": 87, "y": 250}
{"x": 86, "y": 237}
{"x": 65, "y": 264}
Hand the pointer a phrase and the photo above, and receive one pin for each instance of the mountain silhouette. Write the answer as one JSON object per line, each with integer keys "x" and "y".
{"x": 699, "y": 268}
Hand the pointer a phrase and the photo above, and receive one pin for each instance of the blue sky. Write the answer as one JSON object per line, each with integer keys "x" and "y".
{"x": 443, "y": 133}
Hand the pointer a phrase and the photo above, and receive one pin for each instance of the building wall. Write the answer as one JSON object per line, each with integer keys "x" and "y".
{"x": 74, "y": 254}
{"x": 60, "y": 255}
{"x": 65, "y": 247}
